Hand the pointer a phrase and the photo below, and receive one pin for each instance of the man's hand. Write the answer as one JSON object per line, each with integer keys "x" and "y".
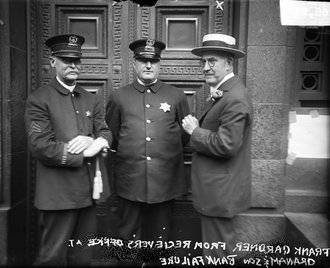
{"x": 96, "y": 147}
{"x": 79, "y": 144}
{"x": 189, "y": 123}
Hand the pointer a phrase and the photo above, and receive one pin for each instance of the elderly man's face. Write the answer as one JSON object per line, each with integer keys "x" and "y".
{"x": 147, "y": 69}
{"x": 67, "y": 69}
{"x": 216, "y": 67}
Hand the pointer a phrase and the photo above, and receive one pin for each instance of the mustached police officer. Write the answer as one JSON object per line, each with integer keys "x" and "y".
{"x": 66, "y": 130}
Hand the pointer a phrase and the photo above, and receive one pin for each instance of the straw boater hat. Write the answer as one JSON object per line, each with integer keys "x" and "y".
{"x": 218, "y": 42}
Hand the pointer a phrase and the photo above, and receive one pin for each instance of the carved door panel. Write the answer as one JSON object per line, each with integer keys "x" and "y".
{"x": 181, "y": 26}
{"x": 86, "y": 18}
{"x": 108, "y": 28}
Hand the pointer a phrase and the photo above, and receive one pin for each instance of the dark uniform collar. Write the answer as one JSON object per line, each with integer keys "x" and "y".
{"x": 154, "y": 87}
{"x": 62, "y": 89}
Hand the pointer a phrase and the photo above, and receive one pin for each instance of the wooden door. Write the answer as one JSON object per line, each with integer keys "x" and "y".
{"x": 108, "y": 28}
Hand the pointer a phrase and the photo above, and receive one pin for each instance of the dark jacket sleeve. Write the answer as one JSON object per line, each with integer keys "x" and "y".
{"x": 113, "y": 119}
{"x": 101, "y": 128}
{"x": 182, "y": 111}
{"x": 41, "y": 137}
{"x": 228, "y": 138}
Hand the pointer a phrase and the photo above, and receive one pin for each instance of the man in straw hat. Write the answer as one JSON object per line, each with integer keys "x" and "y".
{"x": 221, "y": 140}
{"x": 66, "y": 129}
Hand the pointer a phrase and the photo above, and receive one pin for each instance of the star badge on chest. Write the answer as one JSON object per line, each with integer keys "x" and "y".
{"x": 165, "y": 107}
{"x": 88, "y": 114}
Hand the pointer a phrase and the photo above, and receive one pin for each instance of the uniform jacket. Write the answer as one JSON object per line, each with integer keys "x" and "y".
{"x": 149, "y": 140}
{"x": 53, "y": 117}
{"x": 221, "y": 165}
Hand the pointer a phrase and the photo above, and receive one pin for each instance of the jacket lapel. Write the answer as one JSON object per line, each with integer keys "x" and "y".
{"x": 207, "y": 107}
{"x": 226, "y": 86}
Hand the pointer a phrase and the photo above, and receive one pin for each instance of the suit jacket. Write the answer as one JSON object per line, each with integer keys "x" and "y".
{"x": 149, "y": 141}
{"x": 53, "y": 117}
{"x": 221, "y": 165}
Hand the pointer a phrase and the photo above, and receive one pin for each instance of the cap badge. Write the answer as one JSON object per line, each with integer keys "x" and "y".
{"x": 150, "y": 45}
{"x": 73, "y": 41}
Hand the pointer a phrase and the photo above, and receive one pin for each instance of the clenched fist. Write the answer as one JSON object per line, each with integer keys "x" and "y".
{"x": 189, "y": 123}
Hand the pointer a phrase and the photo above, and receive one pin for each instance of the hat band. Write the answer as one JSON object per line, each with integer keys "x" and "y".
{"x": 147, "y": 53}
{"x": 66, "y": 51}
{"x": 67, "y": 54}
{"x": 217, "y": 43}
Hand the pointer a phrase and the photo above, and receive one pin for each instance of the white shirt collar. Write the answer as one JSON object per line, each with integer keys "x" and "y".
{"x": 228, "y": 76}
{"x": 70, "y": 88}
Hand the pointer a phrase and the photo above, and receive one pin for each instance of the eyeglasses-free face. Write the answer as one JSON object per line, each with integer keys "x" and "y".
{"x": 146, "y": 69}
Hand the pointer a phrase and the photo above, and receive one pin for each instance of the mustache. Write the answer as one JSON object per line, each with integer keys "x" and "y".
{"x": 208, "y": 72}
{"x": 70, "y": 70}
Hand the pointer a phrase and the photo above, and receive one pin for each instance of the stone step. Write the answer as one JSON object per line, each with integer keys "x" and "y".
{"x": 313, "y": 228}
{"x": 308, "y": 201}
{"x": 308, "y": 231}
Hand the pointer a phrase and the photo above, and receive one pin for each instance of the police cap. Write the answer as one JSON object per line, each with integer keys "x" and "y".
{"x": 147, "y": 49}
{"x": 66, "y": 45}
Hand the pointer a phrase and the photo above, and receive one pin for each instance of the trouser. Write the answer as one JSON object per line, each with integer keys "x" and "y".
{"x": 216, "y": 229}
{"x": 60, "y": 231}
{"x": 142, "y": 221}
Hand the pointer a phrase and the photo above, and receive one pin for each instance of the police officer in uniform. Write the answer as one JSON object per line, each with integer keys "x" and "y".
{"x": 66, "y": 130}
{"x": 145, "y": 119}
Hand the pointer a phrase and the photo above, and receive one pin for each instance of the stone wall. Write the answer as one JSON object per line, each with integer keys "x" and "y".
{"x": 267, "y": 79}
{"x": 13, "y": 182}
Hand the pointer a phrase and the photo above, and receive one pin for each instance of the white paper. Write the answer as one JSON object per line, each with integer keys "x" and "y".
{"x": 309, "y": 136}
